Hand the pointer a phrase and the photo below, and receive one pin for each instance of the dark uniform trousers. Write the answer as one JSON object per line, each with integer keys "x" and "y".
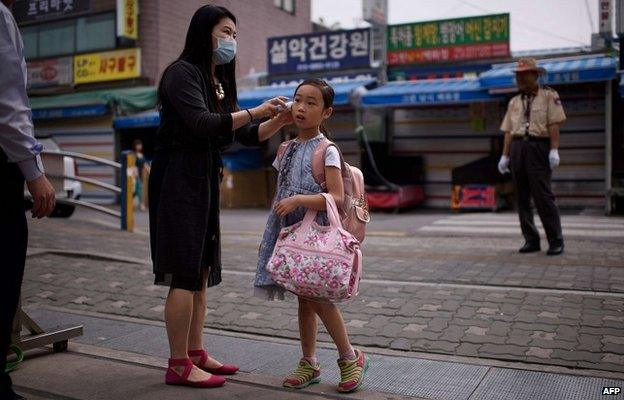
{"x": 13, "y": 242}
{"x": 531, "y": 173}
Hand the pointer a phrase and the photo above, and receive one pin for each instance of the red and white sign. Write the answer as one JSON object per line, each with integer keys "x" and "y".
{"x": 52, "y": 72}
{"x": 605, "y": 16}
{"x": 450, "y": 53}
{"x": 473, "y": 197}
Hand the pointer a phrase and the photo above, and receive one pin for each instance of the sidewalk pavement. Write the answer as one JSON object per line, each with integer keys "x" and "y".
{"x": 469, "y": 295}
{"x": 121, "y": 357}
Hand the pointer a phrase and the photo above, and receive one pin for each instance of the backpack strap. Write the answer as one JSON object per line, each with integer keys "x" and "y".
{"x": 281, "y": 150}
{"x": 318, "y": 161}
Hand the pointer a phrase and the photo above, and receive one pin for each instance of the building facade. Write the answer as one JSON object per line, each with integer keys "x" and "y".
{"x": 90, "y": 61}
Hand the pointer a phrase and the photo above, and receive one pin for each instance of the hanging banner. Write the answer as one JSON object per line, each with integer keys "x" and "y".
{"x": 51, "y": 72}
{"x": 37, "y": 10}
{"x": 319, "y": 51}
{"x": 107, "y": 66}
{"x": 127, "y": 19}
{"x": 449, "y": 40}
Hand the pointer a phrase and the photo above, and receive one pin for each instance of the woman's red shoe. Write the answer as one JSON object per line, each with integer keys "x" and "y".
{"x": 173, "y": 378}
{"x": 226, "y": 369}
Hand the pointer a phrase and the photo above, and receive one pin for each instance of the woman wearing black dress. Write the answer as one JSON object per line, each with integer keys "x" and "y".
{"x": 199, "y": 118}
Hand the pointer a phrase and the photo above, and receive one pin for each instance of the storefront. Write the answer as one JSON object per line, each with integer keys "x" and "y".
{"x": 585, "y": 85}
{"x": 447, "y": 122}
{"x": 83, "y": 123}
{"x": 341, "y": 125}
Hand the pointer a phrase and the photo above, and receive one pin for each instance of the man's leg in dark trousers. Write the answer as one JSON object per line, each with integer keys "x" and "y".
{"x": 543, "y": 197}
{"x": 13, "y": 242}
{"x": 523, "y": 192}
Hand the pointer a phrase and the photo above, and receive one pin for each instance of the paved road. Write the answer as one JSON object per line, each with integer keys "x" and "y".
{"x": 450, "y": 284}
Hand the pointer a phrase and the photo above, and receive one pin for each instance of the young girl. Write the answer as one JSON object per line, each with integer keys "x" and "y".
{"x": 296, "y": 192}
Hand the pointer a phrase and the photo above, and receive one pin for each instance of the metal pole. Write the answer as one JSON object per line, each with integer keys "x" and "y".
{"x": 127, "y": 190}
{"x": 608, "y": 144}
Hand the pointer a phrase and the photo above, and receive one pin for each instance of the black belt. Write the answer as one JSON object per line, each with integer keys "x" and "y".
{"x": 529, "y": 138}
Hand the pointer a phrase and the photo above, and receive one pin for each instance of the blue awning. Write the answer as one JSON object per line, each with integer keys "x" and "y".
{"x": 146, "y": 119}
{"x": 558, "y": 71}
{"x": 427, "y": 92}
{"x": 96, "y": 110}
{"x": 255, "y": 97}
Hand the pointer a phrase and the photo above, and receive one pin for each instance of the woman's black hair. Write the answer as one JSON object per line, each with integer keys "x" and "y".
{"x": 198, "y": 51}
{"x": 328, "y": 96}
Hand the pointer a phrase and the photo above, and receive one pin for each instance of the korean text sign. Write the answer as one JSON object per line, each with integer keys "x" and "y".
{"x": 31, "y": 10}
{"x": 449, "y": 40}
{"x": 107, "y": 66}
{"x": 321, "y": 51}
{"x": 127, "y": 16}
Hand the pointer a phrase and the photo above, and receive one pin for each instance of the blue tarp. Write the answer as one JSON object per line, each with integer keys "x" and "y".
{"x": 243, "y": 160}
{"x": 558, "y": 71}
{"x": 70, "y": 112}
{"x": 255, "y": 97}
{"x": 247, "y": 99}
{"x": 143, "y": 120}
{"x": 434, "y": 91}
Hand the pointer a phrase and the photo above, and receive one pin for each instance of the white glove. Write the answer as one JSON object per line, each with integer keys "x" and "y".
{"x": 503, "y": 165}
{"x": 553, "y": 158}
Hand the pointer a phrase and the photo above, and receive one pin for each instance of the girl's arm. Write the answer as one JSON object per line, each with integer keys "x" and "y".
{"x": 335, "y": 188}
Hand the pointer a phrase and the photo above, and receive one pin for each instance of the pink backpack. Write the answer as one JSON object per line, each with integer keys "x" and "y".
{"x": 353, "y": 211}
{"x": 323, "y": 263}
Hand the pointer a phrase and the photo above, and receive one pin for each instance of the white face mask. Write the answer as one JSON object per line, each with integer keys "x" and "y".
{"x": 224, "y": 52}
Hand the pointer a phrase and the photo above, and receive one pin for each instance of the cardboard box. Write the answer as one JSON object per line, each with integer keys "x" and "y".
{"x": 244, "y": 189}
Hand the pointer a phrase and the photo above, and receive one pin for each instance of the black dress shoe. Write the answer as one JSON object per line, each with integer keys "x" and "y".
{"x": 555, "y": 250}
{"x": 530, "y": 248}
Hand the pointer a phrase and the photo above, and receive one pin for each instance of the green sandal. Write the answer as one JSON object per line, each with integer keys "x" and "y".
{"x": 305, "y": 375}
{"x": 352, "y": 372}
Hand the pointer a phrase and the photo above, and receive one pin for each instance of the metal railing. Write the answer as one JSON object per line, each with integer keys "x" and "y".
{"x": 125, "y": 191}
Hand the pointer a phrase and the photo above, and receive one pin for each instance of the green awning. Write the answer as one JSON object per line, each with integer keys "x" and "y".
{"x": 127, "y": 99}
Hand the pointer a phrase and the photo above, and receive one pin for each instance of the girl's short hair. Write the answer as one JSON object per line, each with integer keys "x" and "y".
{"x": 328, "y": 97}
{"x": 326, "y": 90}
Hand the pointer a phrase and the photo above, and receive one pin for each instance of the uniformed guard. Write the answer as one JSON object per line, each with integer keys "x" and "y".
{"x": 531, "y": 127}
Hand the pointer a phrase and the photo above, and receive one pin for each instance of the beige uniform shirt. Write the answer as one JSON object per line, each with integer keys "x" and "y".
{"x": 546, "y": 109}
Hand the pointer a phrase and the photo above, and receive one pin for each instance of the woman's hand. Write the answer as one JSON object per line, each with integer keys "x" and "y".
{"x": 269, "y": 108}
{"x": 284, "y": 117}
{"x": 287, "y": 205}
{"x": 269, "y": 128}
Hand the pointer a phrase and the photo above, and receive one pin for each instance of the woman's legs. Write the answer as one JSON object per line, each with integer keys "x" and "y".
{"x": 196, "y": 331}
{"x": 178, "y": 310}
{"x": 178, "y": 315}
{"x": 332, "y": 319}
{"x": 307, "y": 328}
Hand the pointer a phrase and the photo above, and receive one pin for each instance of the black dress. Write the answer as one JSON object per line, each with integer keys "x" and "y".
{"x": 184, "y": 180}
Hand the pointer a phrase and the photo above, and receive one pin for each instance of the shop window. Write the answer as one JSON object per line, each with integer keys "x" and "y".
{"x": 77, "y": 35}
{"x": 31, "y": 41}
{"x": 285, "y": 5}
{"x": 95, "y": 33}
{"x": 57, "y": 38}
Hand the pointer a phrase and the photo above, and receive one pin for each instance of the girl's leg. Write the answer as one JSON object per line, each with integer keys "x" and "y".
{"x": 196, "y": 331}
{"x": 332, "y": 319}
{"x": 307, "y": 329}
{"x": 308, "y": 371}
{"x": 352, "y": 365}
{"x": 178, "y": 314}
